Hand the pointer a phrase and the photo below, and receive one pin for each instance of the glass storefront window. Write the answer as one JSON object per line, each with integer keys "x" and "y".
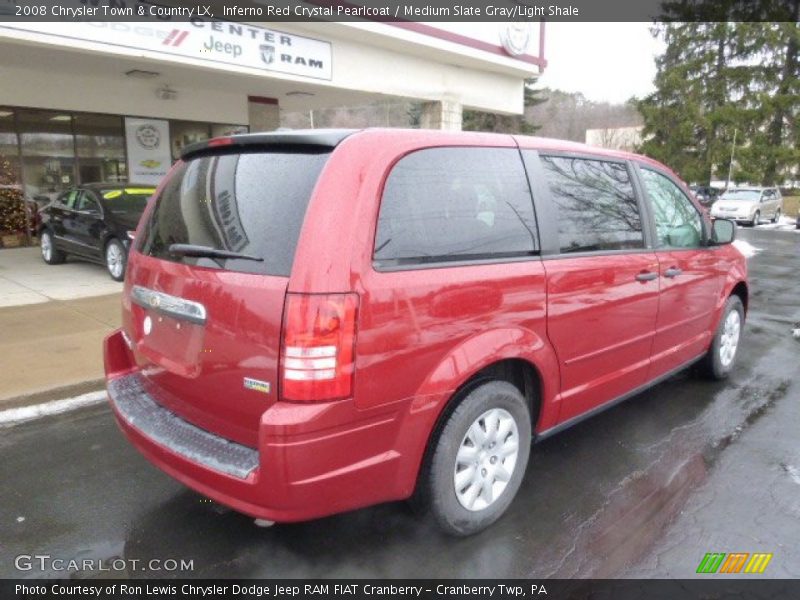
{"x": 9, "y": 149}
{"x": 48, "y": 152}
{"x": 13, "y": 212}
{"x": 100, "y": 143}
{"x": 186, "y": 133}
{"x": 60, "y": 149}
{"x": 222, "y": 130}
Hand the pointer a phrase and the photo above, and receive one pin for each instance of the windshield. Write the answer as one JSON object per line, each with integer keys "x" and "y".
{"x": 128, "y": 201}
{"x": 742, "y": 195}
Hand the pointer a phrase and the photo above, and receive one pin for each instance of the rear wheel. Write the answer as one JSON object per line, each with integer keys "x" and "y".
{"x": 50, "y": 254}
{"x": 721, "y": 357}
{"x": 115, "y": 259}
{"x": 479, "y": 459}
{"x": 777, "y": 217}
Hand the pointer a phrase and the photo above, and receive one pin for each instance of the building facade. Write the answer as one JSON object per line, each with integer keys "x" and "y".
{"x": 100, "y": 101}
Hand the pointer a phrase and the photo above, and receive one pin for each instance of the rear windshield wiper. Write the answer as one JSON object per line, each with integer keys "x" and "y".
{"x": 194, "y": 250}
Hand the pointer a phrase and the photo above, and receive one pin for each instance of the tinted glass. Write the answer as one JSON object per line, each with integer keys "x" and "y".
{"x": 251, "y": 204}
{"x": 597, "y": 208}
{"x": 456, "y": 204}
{"x": 127, "y": 200}
{"x": 678, "y": 224}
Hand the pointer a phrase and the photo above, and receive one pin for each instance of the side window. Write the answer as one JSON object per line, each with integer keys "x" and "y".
{"x": 86, "y": 202}
{"x": 678, "y": 224}
{"x": 596, "y": 204}
{"x": 69, "y": 199}
{"x": 456, "y": 204}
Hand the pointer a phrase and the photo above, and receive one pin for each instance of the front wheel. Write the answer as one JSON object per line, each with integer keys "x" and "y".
{"x": 116, "y": 259}
{"x": 756, "y": 219}
{"x": 50, "y": 253}
{"x": 479, "y": 459}
{"x": 721, "y": 357}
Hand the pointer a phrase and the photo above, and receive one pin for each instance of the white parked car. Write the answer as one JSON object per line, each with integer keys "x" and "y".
{"x": 749, "y": 205}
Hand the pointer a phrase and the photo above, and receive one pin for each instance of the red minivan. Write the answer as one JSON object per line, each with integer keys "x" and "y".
{"x": 317, "y": 321}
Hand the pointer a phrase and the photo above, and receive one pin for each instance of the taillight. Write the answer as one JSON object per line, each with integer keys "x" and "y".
{"x": 318, "y": 347}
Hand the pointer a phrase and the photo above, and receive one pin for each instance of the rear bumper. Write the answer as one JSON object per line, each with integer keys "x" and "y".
{"x": 312, "y": 460}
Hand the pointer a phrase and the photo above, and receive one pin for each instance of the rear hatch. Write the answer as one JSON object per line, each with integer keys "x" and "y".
{"x": 205, "y": 290}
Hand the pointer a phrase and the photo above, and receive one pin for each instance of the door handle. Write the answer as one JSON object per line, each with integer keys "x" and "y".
{"x": 672, "y": 272}
{"x": 646, "y": 276}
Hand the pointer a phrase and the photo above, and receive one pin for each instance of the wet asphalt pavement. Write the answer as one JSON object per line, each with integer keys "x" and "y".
{"x": 642, "y": 490}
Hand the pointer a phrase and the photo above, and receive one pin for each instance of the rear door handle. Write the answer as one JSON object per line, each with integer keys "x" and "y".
{"x": 672, "y": 272}
{"x": 646, "y": 276}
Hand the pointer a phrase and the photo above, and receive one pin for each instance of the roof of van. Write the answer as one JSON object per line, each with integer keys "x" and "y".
{"x": 330, "y": 138}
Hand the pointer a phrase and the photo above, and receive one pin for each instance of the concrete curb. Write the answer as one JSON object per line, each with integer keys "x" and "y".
{"x": 53, "y": 394}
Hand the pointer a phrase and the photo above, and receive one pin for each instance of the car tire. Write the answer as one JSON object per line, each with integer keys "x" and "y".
{"x": 465, "y": 496}
{"x": 50, "y": 253}
{"x": 116, "y": 259}
{"x": 721, "y": 357}
{"x": 756, "y": 219}
{"x": 777, "y": 217}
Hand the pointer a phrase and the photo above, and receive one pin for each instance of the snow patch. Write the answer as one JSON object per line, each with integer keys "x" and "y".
{"x": 746, "y": 248}
{"x": 12, "y": 416}
{"x": 793, "y": 472}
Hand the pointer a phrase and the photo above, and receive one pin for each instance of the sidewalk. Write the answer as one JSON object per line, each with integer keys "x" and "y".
{"x": 52, "y": 323}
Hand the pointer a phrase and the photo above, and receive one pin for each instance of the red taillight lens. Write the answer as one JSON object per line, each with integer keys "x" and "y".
{"x": 318, "y": 348}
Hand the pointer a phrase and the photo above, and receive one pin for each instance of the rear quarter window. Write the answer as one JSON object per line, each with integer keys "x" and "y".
{"x": 249, "y": 203}
{"x": 455, "y": 204}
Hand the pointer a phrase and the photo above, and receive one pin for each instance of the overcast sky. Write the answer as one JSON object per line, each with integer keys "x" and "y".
{"x": 604, "y": 61}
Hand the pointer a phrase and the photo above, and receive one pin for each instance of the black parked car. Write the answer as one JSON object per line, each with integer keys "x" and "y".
{"x": 94, "y": 221}
{"x": 705, "y": 194}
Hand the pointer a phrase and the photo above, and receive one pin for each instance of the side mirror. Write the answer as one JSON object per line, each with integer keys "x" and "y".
{"x": 723, "y": 231}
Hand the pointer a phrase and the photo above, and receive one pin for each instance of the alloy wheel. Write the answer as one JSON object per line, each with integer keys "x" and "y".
{"x": 114, "y": 260}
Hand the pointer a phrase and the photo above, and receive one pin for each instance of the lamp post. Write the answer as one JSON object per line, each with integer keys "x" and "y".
{"x": 730, "y": 166}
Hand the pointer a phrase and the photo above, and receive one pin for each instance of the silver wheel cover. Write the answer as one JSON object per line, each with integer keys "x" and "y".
{"x": 729, "y": 341}
{"x": 486, "y": 459}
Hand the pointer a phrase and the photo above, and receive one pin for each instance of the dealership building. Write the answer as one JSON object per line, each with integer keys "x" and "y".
{"x": 116, "y": 102}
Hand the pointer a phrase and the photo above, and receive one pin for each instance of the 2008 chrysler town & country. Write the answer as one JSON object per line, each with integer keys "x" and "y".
{"x": 319, "y": 321}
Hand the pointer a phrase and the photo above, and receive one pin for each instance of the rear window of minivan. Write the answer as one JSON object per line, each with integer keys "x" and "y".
{"x": 250, "y": 203}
